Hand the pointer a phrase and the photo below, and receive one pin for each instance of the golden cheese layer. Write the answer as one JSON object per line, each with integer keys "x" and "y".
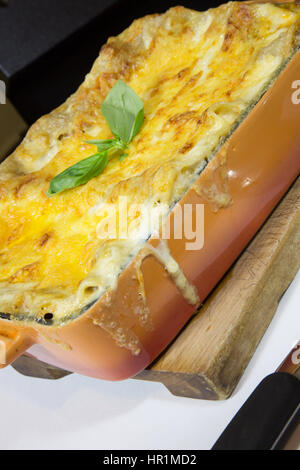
{"x": 198, "y": 73}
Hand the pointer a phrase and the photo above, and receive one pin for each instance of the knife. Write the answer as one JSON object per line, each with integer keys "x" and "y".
{"x": 270, "y": 414}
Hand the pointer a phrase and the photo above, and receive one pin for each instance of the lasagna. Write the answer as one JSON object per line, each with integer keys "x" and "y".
{"x": 198, "y": 74}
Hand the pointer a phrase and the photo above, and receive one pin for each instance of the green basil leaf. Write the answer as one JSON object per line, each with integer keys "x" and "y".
{"x": 124, "y": 155}
{"x": 123, "y": 110}
{"x": 102, "y": 144}
{"x": 138, "y": 123}
{"x": 78, "y": 174}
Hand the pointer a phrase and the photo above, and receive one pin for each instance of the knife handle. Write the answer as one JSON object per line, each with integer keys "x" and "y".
{"x": 264, "y": 419}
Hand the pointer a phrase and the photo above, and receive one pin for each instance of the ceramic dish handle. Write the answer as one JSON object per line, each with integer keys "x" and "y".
{"x": 13, "y": 343}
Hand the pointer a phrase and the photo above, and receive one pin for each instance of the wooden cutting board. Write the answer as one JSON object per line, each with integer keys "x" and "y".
{"x": 209, "y": 356}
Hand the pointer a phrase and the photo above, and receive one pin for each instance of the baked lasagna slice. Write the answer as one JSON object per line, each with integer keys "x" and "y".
{"x": 199, "y": 74}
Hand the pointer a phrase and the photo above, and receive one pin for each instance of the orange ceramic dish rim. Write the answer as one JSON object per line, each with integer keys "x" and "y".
{"x": 260, "y": 171}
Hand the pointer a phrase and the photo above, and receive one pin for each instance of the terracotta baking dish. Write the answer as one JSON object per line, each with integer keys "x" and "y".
{"x": 261, "y": 158}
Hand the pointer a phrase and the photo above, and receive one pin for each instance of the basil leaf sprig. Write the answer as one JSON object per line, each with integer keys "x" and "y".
{"x": 79, "y": 174}
{"x": 123, "y": 110}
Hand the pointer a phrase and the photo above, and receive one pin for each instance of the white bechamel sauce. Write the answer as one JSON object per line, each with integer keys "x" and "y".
{"x": 41, "y": 162}
{"x": 163, "y": 255}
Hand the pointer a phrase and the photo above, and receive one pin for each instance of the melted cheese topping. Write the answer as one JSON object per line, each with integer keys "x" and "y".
{"x": 198, "y": 73}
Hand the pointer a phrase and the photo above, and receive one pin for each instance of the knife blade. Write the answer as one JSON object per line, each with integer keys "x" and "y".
{"x": 270, "y": 414}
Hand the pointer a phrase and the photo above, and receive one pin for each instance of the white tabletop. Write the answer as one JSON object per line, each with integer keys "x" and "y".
{"x": 77, "y": 412}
